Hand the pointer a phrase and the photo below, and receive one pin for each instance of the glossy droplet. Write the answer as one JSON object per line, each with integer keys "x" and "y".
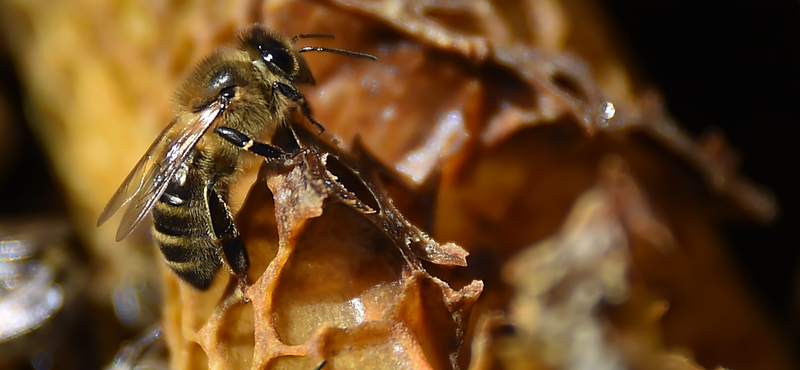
{"x": 608, "y": 110}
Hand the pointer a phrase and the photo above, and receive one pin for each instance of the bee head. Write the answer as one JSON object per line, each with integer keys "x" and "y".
{"x": 276, "y": 52}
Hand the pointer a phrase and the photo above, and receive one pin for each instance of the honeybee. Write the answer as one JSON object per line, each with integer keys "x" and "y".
{"x": 184, "y": 176}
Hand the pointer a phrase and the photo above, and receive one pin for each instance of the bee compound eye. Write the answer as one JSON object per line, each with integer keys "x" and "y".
{"x": 280, "y": 58}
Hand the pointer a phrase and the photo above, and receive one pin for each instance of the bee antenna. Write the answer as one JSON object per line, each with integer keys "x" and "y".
{"x": 313, "y": 35}
{"x": 338, "y": 51}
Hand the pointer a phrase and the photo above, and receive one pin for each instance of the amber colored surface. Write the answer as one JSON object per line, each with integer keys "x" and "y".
{"x": 345, "y": 285}
{"x": 482, "y": 126}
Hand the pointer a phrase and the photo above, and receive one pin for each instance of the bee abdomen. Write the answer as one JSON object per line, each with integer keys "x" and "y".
{"x": 182, "y": 230}
{"x": 176, "y": 254}
{"x": 177, "y": 223}
{"x": 199, "y": 277}
{"x": 193, "y": 259}
{"x": 172, "y": 200}
{"x": 175, "y": 213}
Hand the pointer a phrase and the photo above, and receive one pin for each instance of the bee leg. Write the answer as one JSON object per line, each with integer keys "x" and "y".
{"x": 295, "y": 96}
{"x": 324, "y": 362}
{"x": 227, "y": 235}
{"x": 245, "y": 142}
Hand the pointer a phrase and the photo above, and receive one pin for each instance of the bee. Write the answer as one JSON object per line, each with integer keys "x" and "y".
{"x": 185, "y": 175}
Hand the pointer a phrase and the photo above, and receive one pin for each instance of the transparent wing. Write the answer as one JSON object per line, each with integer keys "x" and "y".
{"x": 149, "y": 178}
{"x": 135, "y": 180}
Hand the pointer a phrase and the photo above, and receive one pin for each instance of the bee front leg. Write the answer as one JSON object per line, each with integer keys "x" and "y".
{"x": 294, "y": 95}
{"x": 245, "y": 142}
{"x": 228, "y": 237}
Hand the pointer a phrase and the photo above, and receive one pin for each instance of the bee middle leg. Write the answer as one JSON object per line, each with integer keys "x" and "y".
{"x": 228, "y": 237}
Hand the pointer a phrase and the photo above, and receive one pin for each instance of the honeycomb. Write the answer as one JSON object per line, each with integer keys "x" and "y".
{"x": 499, "y": 191}
{"x": 338, "y": 274}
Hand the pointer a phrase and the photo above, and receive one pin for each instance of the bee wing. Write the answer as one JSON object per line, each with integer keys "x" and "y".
{"x": 149, "y": 178}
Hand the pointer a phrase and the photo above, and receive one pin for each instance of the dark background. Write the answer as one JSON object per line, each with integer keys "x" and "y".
{"x": 735, "y": 65}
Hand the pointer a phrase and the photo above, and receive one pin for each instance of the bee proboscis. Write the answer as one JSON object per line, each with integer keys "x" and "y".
{"x": 184, "y": 177}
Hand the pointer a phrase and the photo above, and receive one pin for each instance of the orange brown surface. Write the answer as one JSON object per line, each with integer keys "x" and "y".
{"x": 592, "y": 237}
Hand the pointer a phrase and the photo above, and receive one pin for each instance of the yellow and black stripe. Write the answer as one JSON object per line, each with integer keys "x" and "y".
{"x": 182, "y": 230}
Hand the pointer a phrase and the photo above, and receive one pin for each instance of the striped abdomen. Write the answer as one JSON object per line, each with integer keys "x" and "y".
{"x": 192, "y": 225}
{"x": 182, "y": 229}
